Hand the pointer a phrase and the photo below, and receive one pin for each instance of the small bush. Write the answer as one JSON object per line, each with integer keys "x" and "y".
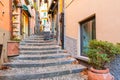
{"x": 101, "y": 52}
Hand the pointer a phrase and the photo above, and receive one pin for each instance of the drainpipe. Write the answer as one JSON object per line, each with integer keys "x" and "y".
{"x": 10, "y": 12}
{"x": 58, "y": 24}
{"x": 64, "y": 24}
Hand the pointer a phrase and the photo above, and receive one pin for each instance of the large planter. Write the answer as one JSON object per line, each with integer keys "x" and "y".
{"x": 94, "y": 74}
{"x": 13, "y": 48}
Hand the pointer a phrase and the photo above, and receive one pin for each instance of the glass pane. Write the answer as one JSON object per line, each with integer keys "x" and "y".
{"x": 87, "y": 33}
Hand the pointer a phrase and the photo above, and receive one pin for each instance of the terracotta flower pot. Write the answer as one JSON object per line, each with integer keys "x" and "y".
{"x": 94, "y": 74}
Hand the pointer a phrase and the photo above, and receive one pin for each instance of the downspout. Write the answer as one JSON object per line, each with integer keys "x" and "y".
{"x": 64, "y": 24}
{"x": 10, "y": 12}
{"x": 58, "y": 24}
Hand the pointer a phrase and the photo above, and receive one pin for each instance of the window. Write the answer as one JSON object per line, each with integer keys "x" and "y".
{"x": 44, "y": 22}
{"x": 45, "y": 14}
{"x": 88, "y": 32}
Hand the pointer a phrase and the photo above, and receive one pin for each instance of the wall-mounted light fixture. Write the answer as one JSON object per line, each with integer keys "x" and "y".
{"x": 19, "y": 5}
{"x": 54, "y": 2}
{"x": 3, "y": 12}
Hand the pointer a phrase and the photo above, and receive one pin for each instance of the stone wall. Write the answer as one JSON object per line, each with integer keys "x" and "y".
{"x": 71, "y": 45}
{"x": 115, "y": 67}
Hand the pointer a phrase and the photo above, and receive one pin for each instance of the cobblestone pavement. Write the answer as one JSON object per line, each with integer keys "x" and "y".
{"x": 41, "y": 60}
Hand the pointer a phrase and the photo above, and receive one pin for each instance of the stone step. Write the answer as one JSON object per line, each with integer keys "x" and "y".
{"x": 41, "y": 57}
{"x": 41, "y": 52}
{"x": 37, "y": 48}
{"x": 36, "y": 36}
{"x": 17, "y": 63}
{"x": 41, "y": 72}
{"x": 47, "y": 41}
{"x": 33, "y": 40}
{"x": 75, "y": 76}
{"x": 26, "y": 65}
{"x": 41, "y": 37}
{"x": 49, "y": 46}
{"x": 38, "y": 44}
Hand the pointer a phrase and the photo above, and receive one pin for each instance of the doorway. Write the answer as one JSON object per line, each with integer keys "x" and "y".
{"x": 88, "y": 32}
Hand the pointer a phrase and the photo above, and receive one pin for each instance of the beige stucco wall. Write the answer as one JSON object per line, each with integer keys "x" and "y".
{"x": 107, "y": 14}
{"x": 107, "y": 18}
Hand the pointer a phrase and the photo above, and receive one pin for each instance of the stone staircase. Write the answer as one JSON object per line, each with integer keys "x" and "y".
{"x": 41, "y": 60}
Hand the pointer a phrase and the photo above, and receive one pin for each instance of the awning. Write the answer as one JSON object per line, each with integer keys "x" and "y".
{"x": 24, "y": 7}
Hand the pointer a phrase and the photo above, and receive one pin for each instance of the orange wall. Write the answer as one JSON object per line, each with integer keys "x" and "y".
{"x": 5, "y": 18}
{"x": 107, "y": 18}
{"x": 4, "y": 27}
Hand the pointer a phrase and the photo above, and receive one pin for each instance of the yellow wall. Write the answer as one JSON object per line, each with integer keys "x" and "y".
{"x": 61, "y": 5}
{"x": 25, "y": 23}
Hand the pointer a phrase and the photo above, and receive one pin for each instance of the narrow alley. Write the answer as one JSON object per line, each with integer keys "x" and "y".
{"x": 59, "y": 40}
{"x": 41, "y": 60}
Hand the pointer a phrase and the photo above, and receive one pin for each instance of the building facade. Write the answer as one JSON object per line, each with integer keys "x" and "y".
{"x": 5, "y": 28}
{"x": 56, "y": 16}
{"x": 96, "y": 20}
{"x": 87, "y": 20}
{"x": 23, "y": 14}
{"x": 37, "y": 16}
{"x": 43, "y": 12}
{"x": 17, "y": 21}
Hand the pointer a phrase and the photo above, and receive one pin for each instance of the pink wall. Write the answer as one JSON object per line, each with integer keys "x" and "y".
{"x": 32, "y": 22}
{"x": 107, "y": 18}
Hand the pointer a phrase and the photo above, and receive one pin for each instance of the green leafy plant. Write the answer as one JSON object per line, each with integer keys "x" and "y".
{"x": 101, "y": 52}
{"x": 15, "y": 38}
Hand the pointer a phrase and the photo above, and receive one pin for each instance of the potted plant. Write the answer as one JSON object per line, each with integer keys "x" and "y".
{"x": 100, "y": 53}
